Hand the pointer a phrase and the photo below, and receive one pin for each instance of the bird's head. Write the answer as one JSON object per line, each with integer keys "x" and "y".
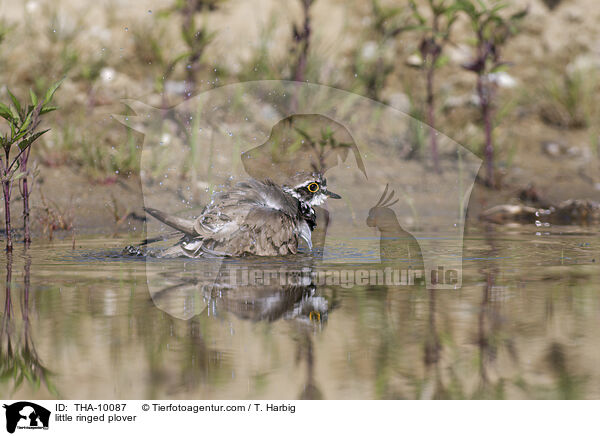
{"x": 309, "y": 188}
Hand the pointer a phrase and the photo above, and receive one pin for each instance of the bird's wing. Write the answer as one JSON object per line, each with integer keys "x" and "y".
{"x": 229, "y": 209}
{"x": 256, "y": 230}
{"x": 252, "y": 217}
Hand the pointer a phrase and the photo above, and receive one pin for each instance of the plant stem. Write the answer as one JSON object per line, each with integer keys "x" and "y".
{"x": 431, "y": 117}
{"x": 303, "y": 38}
{"x": 6, "y": 191}
{"x": 484, "y": 98}
{"x": 8, "y": 300}
{"x": 25, "y": 192}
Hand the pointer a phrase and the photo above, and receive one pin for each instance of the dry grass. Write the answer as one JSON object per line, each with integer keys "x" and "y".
{"x": 570, "y": 100}
{"x": 52, "y": 217}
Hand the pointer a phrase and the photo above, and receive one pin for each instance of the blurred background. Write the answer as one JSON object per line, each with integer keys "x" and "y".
{"x": 542, "y": 75}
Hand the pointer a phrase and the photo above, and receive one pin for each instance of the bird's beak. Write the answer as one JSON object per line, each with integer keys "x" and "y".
{"x": 331, "y": 194}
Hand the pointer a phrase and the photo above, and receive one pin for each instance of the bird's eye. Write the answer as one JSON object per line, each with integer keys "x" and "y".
{"x": 313, "y": 187}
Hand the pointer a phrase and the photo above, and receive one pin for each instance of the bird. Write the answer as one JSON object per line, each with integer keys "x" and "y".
{"x": 254, "y": 217}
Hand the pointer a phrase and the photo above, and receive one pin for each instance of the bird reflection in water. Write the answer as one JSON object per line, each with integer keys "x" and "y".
{"x": 252, "y": 289}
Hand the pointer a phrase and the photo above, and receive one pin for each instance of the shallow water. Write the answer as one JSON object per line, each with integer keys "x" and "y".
{"x": 88, "y": 323}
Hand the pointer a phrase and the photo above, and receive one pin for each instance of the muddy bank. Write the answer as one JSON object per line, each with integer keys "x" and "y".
{"x": 116, "y": 206}
{"x": 64, "y": 200}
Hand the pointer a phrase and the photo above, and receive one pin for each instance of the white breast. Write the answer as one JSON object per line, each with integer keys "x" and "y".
{"x": 305, "y": 233}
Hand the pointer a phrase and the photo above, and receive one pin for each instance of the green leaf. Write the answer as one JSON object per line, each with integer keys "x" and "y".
{"x": 26, "y": 122}
{"x": 51, "y": 388}
{"x": 50, "y": 92}
{"x": 498, "y": 8}
{"x": 416, "y": 13}
{"x": 519, "y": 15}
{"x": 17, "y": 175}
{"x": 14, "y": 100}
{"x": 15, "y": 114}
{"x": 18, "y": 382}
{"x": 467, "y": 7}
{"x": 441, "y": 61}
{"x": 500, "y": 66}
{"x": 31, "y": 139}
{"x": 34, "y": 99}
{"x": 47, "y": 109}
{"x": 177, "y": 59}
{"x": 18, "y": 135}
{"x": 5, "y": 113}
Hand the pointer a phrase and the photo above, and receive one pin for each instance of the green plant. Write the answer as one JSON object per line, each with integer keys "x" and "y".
{"x": 5, "y": 29}
{"x": 371, "y": 62}
{"x": 149, "y": 40}
{"x": 196, "y": 38}
{"x": 492, "y": 31}
{"x": 105, "y": 162}
{"x": 435, "y": 34}
{"x": 262, "y": 64}
{"x": 23, "y": 122}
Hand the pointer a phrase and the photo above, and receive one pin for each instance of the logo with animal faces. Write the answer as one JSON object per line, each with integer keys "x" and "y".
{"x": 25, "y": 415}
{"x": 395, "y": 211}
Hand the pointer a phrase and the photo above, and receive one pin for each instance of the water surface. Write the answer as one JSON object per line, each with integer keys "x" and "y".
{"x": 89, "y": 323}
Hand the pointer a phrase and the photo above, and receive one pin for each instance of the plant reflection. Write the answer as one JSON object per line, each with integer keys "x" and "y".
{"x": 19, "y": 359}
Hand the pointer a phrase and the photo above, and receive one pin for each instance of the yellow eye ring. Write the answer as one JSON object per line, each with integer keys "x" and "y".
{"x": 313, "y": 187}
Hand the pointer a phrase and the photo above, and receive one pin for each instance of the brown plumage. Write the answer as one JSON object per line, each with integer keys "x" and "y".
{"x": 254, "y": 217}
